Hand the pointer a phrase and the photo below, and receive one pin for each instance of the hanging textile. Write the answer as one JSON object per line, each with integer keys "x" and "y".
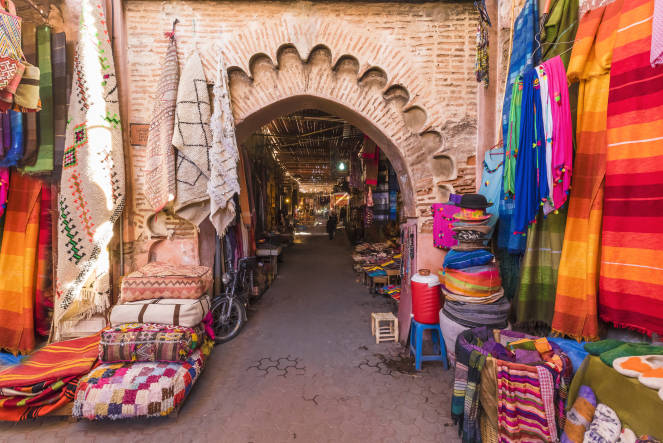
{"x": 546, "y": 114}
{"x": 89, "y": 203}
{"x": 656, "y": 49}
{"x": 577, "y": 281}
{"x": 370, "y": 152}
{"x": 531, "y": 187}
{"x": 443, "y": 235}
{"x": 631, "y": 283}
{"x": 12, "y": 132}
{"x": 44, "y": 161}
{"x": 538, "y": 271}
{"x": 44, "y": 280}
{"x": 223, "y": 183}
{"x": 4, "y": 190}
{"x": 559, "y": 30}
{"x": 31, "y": 145}
{"x": 17, "y": 265}
{"x": 491, "y": 180}
{"x": 562, "y": 130}
{"x": 192, "y": 138}
{"x": 59, "y": 56}
{"x": 159, "y": 153}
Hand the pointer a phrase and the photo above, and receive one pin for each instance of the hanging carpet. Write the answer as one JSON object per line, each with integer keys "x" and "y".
{"x": 92, "y": 183}
{"x": 17, "y": 265}
{"x": 59, "y": 62}
{"x": 159, "y": 154}
{"x": 44, "y": 274}
{"x": 192, "y": 137}
{"x": 223, "y": 183}
{"x": 631, "y": 283}
{"x": 577, "y": 281}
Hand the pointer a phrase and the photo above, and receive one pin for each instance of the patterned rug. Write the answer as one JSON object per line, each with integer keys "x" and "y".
{"x": 115, "y": 391}
{"x": 192, "y": 138}
{"x": 92, "y": 182}
{"x": 159, "y": 154}
{"x": 223, "y": 183}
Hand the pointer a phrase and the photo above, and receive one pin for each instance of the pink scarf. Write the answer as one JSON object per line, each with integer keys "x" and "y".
{"x": 562, "y": 134}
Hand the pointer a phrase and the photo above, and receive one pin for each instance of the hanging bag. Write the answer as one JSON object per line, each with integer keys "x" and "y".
{"x": 10, "y": 44}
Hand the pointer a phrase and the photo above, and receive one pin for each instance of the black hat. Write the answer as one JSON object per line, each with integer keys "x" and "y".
{"x": 474, "y": 201}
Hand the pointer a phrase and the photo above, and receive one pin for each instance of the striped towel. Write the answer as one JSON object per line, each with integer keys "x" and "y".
{"x": 631, "y": 285}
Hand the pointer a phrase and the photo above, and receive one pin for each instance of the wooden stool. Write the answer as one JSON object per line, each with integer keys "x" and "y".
{"x": 384, "y": 326}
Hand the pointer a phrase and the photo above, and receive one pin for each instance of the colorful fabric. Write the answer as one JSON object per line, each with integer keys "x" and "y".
{"x": 370, "y": 153}
{"x": 137, "y": 390}
{"x": 562, "y": 131}
{"x": 59, "y": 51}
{"x": 656, "y": 49}
{"x": 546, "y": 114}
{"x": 442, "y": 223}
{"x": 45, "y": 381}
{"x": 192, "y": 139}
{"x": 470, "y": 297}
{"x": 46, "y": 136}
{"x": 44, "y": 275}
{"x": 513, "y": 138}
{"x": 605, "y": 426}
{"x": 631, "y": 283}
{"x": 13, "y": 134}
{"x": 89, "y": 204}
{"x": 524, "y": 402}
{"x": 470, "y": 419}
{"x": 577, "y": 281}
{"x": 465, "y": 259}
{"x": 31, "y": 145}
{"x": 535, "y": 301}
{"x": 531, "y": 186}
{"x": 148, "y": 342}
{"x": 163, "y": 280}
{"x": 580, "y": 416}
{"x": 167, "y": 311}
{"x": 159, "y": 154}
{"x": 491, "y": 180}
{"x": 478, "y": 280}
{"x": 4, "y": 192}
{"x": 559, "y": 30}
{"x": 472, "y": 315}
{"x": 18, "y": 260}
{"x": 223, "y": 183}
{"x": 628, "y": 350}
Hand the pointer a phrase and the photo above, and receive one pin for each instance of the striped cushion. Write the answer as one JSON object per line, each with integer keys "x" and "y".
{"x": 163, "y": 280}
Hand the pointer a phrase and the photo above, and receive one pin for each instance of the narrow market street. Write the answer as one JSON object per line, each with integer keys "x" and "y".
{"x": 305, "y": 368}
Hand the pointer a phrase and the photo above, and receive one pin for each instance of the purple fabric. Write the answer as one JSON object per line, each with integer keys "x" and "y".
{"x": 454, "y": 199}
{"x": 443, "y": 236}
{"x": 6, "y": 132}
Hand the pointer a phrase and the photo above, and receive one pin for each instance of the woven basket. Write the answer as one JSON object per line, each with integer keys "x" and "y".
{"x": 488, "y": 432}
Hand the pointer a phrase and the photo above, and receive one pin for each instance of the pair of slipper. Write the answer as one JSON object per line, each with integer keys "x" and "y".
{"x": 647, "y": 368}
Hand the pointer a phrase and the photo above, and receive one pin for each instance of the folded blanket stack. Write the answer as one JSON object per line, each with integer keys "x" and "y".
{"x": 155, "y": 348}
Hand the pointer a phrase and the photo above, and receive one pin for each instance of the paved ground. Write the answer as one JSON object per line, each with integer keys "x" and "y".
{"x": 305, "y": 368}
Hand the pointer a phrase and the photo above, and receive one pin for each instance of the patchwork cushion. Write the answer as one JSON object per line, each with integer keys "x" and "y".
{"x": 136, "y": 390}
{"x": 163, "y": 280}
{"x": 148, "y": 342}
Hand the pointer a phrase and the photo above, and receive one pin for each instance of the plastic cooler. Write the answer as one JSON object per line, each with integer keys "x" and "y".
{"x": 426, "y": 298}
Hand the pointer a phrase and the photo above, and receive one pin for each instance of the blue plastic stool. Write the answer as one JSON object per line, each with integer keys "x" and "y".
{"x": 416, "y": 341}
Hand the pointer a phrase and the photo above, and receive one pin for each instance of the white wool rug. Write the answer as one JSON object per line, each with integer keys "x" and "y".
{"x": 92, "y": 195}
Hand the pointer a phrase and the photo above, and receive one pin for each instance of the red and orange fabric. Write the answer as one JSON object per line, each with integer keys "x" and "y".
{"x": 18, "y": 260}
{"x": 47, "y": 379}
{"x": 631, "y": 283}
{"x": 44, "y": 283}
{"x": 577, "y": 282}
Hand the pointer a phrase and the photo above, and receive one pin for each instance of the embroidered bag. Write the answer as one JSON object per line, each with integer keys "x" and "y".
{"x": 10, "y": 43}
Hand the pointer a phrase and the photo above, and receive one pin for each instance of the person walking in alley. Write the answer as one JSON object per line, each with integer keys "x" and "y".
{"x": 332, "y": 221}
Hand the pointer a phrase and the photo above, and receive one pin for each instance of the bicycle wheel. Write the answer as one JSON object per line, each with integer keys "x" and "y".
{"x": 227, "y": 330}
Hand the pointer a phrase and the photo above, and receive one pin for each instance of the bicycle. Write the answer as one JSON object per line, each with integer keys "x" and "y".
{"x": 229, "y": 308}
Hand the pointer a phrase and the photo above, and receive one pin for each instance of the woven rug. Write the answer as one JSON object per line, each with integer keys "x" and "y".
{"x": 577, "y": 280}
{"x": 18, "y": 259}
{"x": 223, "y": 183}
{"x": 92, "y": 182}
{"x": 631, "y": 283}
{"x": 159, "y": 154}
{"x": 44, "y": 163}
{"x": 115, "y": 391}
{"x": 192, "y": 138}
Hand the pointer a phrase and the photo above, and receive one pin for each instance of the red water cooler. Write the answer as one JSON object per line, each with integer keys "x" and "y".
{"x": 426, "y": 302}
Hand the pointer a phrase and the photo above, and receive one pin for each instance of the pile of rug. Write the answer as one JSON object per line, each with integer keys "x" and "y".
{"x": 46, "y": 381}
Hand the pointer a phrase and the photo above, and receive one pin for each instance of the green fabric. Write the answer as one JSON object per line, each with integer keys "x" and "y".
{"x": 509, "y": 270}
{"x": 514, "y": 137}
{"x": 560, "y": 30}
{"x": 637, "y": 406}
{"x": 535, "y": 301}
{"x": 601, "y": 346}
{"x": 629, "y": 349}
{"x": 46, "y": 134}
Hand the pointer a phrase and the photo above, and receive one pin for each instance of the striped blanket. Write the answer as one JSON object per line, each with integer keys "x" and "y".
{"x": 44, "y": 272}
{"x": 631, "y": 284}
{"x": 525, "y": 403}
{"x": 17, "y": 264}
{"x": 577, "y": 281}
{"x": 47, "y": 379}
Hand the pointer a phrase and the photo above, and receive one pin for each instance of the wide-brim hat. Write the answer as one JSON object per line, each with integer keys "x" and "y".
{"x": 474, "y": 201}
{"x": 472, "y": 215}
